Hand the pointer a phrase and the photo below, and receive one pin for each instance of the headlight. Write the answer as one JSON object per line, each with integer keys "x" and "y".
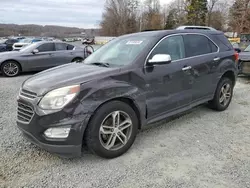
{"x": 58, "y": 98}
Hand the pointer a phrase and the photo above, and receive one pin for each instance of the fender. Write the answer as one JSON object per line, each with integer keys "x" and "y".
{"x": 226, "y": 65}
{"x": 111, "y": 89}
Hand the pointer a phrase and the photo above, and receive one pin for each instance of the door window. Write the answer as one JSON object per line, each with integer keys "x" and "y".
{"x": 60, "y": 46}
{"x": 174, "y": 46}
{"x": 198, "y": 45}
{"x": 48, "y": 47}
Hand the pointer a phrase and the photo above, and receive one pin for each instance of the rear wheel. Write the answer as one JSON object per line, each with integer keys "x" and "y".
{"x": 10, "y": 68}
{"x": 112, "y": 130}
{"x": 77, "y": 59}
{"x": 223, "y": 95}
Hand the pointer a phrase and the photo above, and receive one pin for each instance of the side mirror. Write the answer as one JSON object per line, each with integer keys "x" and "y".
{"x": 160, "y": 59}
{"x": 35, "y": 51}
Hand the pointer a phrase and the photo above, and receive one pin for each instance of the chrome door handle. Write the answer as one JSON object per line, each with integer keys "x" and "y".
{"x": 217, "y": 59}
{"x": 186, "y": 68}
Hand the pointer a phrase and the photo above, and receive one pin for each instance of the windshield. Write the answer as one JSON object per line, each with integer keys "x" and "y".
{"x": 3, "y": 40}
{"x": 247, "y": 49}
{"x": 25, "y": 41}
{"x": 120, "y": 51}
{"x": 28, "y": 48}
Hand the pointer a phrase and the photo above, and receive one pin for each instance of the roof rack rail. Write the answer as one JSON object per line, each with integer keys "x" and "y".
{"x": 195, "y": 27}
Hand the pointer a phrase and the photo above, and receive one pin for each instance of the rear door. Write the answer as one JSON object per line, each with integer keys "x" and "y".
{"x": 203, "y": 55}
{"x": 64, "y": 53}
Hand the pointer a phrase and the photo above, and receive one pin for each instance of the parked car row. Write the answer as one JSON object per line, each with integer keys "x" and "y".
{"x": 18, "y": 43}
{"x": 40, "y": 56}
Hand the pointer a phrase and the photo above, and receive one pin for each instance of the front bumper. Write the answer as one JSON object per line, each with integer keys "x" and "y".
{"x": 66, "y": 147}
{"x": 61, "y": 150}
{"x": 244, "y": 67}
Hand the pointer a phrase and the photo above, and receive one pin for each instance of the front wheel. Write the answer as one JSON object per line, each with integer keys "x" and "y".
{"x": 10, "y": 68}
{"x": 112, "y": 130}
{"x": 223, "y": 95}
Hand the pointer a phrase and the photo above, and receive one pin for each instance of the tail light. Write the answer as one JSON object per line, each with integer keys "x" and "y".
{"x": 236, "y": 55}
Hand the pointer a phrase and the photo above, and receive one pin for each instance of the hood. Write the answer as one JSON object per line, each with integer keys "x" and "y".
{"x": 9, "y": 54}
{"x": 68, "y": 74}
{"x": 244, "y": 55}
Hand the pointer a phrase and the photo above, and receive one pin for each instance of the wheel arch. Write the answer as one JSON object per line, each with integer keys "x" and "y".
{"x": 19, "y": 64}
{"x": 129, "y": 102}
{"x": 231, "y": 75}
{"x": 78, "y": 57}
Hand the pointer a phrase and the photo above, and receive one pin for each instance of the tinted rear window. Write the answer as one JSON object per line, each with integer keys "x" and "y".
{"x": 223, "y": 42}
{"x": 198, "y": 45}
{"x": 70, "y": 47}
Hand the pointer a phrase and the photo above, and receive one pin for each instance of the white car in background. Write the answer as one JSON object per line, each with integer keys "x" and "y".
{"x": 24, "y": 42}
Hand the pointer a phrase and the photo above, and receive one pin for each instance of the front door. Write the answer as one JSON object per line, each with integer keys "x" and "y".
{"x": 43, "y": 59}
{"x": 168, "y": 86}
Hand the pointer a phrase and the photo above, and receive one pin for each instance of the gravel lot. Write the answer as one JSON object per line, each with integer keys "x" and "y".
{"x": 202, "y": 148}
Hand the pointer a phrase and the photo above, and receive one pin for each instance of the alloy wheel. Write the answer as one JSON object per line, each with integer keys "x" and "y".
{"x": 115, "y": 130}
{"x": 11, "y": 69}
{"x": 225, "y": 94}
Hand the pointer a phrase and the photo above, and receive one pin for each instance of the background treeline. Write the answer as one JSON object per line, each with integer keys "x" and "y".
{"x": 127, "y": 16}
{"x": 38, "y": 30}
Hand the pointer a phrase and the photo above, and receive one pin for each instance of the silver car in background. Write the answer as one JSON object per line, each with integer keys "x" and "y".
{"x": 39, "y": 56}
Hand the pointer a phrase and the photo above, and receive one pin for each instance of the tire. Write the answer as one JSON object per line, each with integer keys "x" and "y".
{"x": 77, "y": 59}
{"x": 217, "y": 103}
{"x": 7, "y": 71}
{"x": 100, "y": 143}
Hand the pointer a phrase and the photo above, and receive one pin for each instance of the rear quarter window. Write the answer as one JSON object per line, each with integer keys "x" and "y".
{"x": 222, "y": 42}
{"x": 70, "y": 47}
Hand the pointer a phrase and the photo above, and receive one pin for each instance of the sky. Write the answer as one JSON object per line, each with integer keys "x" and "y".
{"x": 72, "y": 13}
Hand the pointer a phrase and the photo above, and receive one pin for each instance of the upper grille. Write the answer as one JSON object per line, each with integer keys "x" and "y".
{"x": 28, "y": 94}
{"x": 18, "y": 46}
{"x": 24, "y": 112}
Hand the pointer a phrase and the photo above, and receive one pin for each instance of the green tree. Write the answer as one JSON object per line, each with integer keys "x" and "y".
{"x": 197, "y": 11}
{"x": 171, "y": 19}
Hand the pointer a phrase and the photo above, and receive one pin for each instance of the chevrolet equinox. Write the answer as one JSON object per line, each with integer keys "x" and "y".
{"x": 132, "y": 81}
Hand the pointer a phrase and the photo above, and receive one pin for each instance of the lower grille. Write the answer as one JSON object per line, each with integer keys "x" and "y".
{"x": 24, "y": 112}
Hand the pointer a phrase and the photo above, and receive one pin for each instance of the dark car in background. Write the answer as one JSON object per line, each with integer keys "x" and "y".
{"x": 7, "y": 44}
{"x": 39, "y": 56}
{"x": 244, "y": 61}
{"x": 3, "y": 47}
{"x": 130, "y": 82}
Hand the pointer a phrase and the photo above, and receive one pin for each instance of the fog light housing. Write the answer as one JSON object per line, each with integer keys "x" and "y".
{"x": 58, "y": 132}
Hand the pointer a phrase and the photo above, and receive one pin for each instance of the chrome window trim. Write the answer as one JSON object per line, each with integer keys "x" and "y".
{"x": 182, "y": 34}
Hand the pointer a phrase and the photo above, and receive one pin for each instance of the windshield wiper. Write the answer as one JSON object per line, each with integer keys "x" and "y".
{"x": 100, "y": 64}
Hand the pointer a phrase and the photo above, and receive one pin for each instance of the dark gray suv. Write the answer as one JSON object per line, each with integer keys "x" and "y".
{"x": 132, "y": 81}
